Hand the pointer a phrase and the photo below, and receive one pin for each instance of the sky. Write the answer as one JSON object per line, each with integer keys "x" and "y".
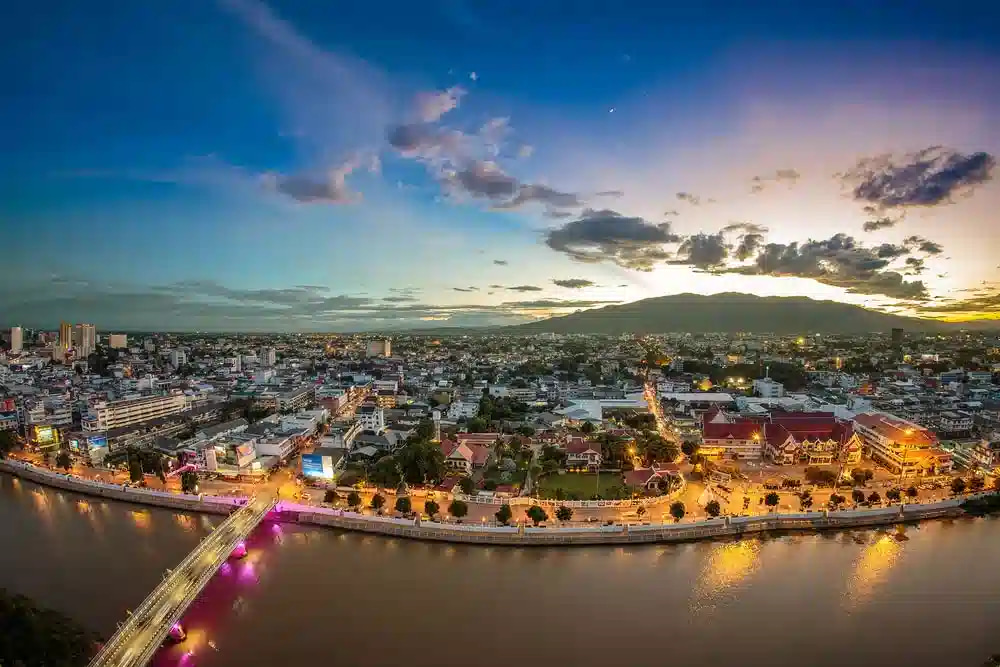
{"x": 236, "y": 165}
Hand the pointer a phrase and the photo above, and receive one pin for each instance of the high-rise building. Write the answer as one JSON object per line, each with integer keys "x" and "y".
{"x": 118, "y": 341}
{"x": 897, "y": 336}
{"x": 268, "y": 356}
{"x": 105, "y": 416}
{"x": 84, "y": 340}
{"x": 65, "y": 334}
{"x": 379, "y": 348}
{"x": 177, "y": 358}
{"x": 16, "y": 339}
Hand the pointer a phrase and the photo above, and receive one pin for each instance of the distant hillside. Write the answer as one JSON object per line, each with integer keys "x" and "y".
{"x": 732, "y": 312}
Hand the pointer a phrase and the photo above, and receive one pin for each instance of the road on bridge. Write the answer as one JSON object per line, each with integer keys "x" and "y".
{"x": 145, "y": 629}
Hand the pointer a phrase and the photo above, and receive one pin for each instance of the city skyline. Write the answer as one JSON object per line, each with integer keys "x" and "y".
{"x": 237, "y": 165}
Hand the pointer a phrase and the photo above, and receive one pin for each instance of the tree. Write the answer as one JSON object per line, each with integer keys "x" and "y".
{"x": 189, "y": 481}
{"x": 385, "y": 473}
{"x": 458, "y": 509}
{"x": 466, "y": 485}
{"x": 8, "y": 442}
{"x": 424, "y": 430}
{"x": 957, "y": 485}
{"x": 526, "y": 430}
{"x": 874, "y": 498}
{"x": 894, "y": 495}
{"x": 805, "y": 500}
{"x": 689, "y": 449}
{"x": 836, "y": 500}
{"x": 858, "y": 496}
{"x": 640, "y": 511}
{"x": 912, "y": 492}
{"x": 677, "y": 510}
{"x": 996, "y": 484}
{"x": 134, "y": 467}
{"x": 432, "y": 508}
{"x": 63, "y": 460}
{"x": 587, "y": 428}
{"x": 354, "y": 500}
{"x": 564, "y": 513}
{"x": 503, "y": 514}
{"x": 420, "y": 462}
{"x": 377, "y": 502}
{"x": 476, "y": 425}
{"x": 404, "y": 505}
{"x": 330, "y": 496}
{"x": 536, "y": 514}
{"x": 772, "y": 499}
{"x": 858, "y": 476}
{"x": 713, "y": 509}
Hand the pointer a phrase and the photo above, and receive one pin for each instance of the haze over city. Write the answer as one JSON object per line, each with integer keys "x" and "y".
{"x": 253, "y": 166}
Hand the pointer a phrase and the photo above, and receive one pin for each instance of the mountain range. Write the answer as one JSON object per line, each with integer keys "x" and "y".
{"x": 732, "y": 312}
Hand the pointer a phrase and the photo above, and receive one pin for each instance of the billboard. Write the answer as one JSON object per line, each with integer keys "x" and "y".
{"x": 97, "y": 442}
{"x": 315, "y": 465}
{"x": 45, "y": 435}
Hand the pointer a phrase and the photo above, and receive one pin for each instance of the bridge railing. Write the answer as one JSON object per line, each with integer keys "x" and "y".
{"x": 219, "y": 539}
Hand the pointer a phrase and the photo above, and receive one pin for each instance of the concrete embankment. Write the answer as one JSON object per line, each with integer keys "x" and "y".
{"x": 508, "y": 535}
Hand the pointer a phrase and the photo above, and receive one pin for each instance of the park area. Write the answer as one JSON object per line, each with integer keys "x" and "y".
{"x": 579, "y": 485}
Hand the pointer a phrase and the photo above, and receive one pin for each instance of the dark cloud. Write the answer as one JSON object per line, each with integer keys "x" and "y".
{"x": 787, "y": 176}
{"x": 747, "y": 227}
{"x": 605, "y": 235}
{"x": 425, "y": 141}
{"x": 329, "y": 188}
{"x": 524, "y": 288}
{"x": 914, "y": 265}
{"x": 542, "y": 194}
{"x": 839, "y": 261}
{"x": 500, "y": 262}
{"x": 483, "y": 179}
{"x": 574, "y": 283}
{"x": 557, "y": 215}
{"x": 671, "y": 212}
{"x": 890, "y": 251}
{"x": 694, "y": 200}
{"x": 703, "y": 251}
{"x": 557, "y": 303}
{"x": 880, "y": 223}
{"x": 748, "y": 245}
{"x": 610, "y": 193}
{"x": 399, "y": 299}
{"x": 923, "y": 245}
{"x": 927, "y": 178}
{"x": 986, "y": 301}
{"x": 466, "y": 289}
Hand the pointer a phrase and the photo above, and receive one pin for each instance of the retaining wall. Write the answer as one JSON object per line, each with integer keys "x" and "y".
{"x": 472, "y": 533}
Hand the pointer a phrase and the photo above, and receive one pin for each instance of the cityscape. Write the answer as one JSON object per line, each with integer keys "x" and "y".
{"x": 434, "y": 333}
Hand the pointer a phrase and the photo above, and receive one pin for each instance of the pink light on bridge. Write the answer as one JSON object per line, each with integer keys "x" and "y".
{"x": 240, "y": 551}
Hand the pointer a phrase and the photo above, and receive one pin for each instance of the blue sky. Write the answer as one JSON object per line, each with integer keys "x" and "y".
{"x": 233, "y": 164}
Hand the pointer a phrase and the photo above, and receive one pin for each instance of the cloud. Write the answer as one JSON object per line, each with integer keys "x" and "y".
{"x": 671, "y": 212}
{"x": 557, "y": 215}
{"x": 483, "y": 179}
{"x": 890, "y": 251}
{"x": 608, "y": 236}
{"x": 984, "y": 301}
{"x": 750, "y": 238}
{"x": 525, "y": 151}
{"x": 331, "y": 189}
{"x": 926, "y": 178}
{"x": 524, "y": 288}
{"x": 838, "y": 261}
{"x": 616, "y": 194}
{"x": 914, "y": 265}
{"x": 923, "y": 245}
{"x": 747, "y": 227}
{"x": 694, "y": 200}
{"x": 881, "y": 223}
{"x": 426, "y": 142}
{"x": 703, "y": 251}
{"x": 787, "y": 176}
{"x": 432, "y": 105}
{"x": 501, "y": 262}
{"x": 574, "y": 283}
{"x": 558, "y": 303}
{"x": 543, "y": 195}
{"x": 399, "y": 298}
{"x": 466, "y": 289}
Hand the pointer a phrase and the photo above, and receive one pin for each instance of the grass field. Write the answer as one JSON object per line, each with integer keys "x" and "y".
{"x": 580, "y": 484}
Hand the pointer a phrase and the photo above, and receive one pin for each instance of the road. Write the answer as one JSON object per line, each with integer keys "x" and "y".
{"x": 663, "y": 426}
{"x": 146, "y": 627}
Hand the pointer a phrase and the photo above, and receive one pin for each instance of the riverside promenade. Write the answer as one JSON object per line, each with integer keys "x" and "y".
{"x": 516, "y": 535}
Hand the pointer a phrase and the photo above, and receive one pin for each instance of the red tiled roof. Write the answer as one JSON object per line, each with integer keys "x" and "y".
{"x": 639, "y": 477}
{"x": 740, "y": 430}
{"x": 448, "y": 483}
{"x": 580, "y": 446}
{"x": 480, "y": 453}
{"x": 896, "y": 429}
{"x": 481, "y": 438}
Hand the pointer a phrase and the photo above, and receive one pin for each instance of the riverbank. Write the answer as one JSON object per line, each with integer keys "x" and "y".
{"x": 520, "y": 535}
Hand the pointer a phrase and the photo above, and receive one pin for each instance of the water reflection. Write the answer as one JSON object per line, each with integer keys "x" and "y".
{"x": 871, "y": 570}
{"x": 141, "y": 519}
{"x": 727, "y": 566}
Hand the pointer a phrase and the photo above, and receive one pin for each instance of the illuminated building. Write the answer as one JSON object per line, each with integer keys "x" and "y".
{"x": 379, "y": 348}
{"x": 901, "y": 446}
{"x": 105, "y": 416}
{"x": 16, "y": 339}
{"x": 118, "y": 341}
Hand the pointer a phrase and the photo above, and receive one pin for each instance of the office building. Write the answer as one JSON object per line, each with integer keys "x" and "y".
{"x": 108, "y": 415}
{"x": 177, "y": 358}
{"x": 65, "y": 335}
{"x": 118, "y": 341}
{"x": 379, "y": 348}
{"x": 16, "y": 339}
{"x": 268, "y": 356}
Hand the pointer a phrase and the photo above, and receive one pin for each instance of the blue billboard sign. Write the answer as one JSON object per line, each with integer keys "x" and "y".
{"x": 315, "y": 465}
{"x": 97, "y": 441}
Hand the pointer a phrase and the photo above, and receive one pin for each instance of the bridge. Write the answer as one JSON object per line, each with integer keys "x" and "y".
{"x": 148, "y": 625}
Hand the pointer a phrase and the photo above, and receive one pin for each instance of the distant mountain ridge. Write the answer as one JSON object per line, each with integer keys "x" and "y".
{"x": 732, "y": 312}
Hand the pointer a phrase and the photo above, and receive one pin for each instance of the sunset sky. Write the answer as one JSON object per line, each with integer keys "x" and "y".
{"x": 318, "y": 166}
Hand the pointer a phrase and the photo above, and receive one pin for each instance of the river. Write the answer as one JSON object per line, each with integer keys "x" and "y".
{"x": 308, "y": 595}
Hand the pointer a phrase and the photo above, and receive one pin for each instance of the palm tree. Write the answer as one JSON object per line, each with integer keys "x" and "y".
{"x": 772, "y": 499}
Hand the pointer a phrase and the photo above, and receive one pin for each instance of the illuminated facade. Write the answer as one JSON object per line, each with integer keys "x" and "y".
{"x": 105, "y": 416}
{"x": 900, "y": 445}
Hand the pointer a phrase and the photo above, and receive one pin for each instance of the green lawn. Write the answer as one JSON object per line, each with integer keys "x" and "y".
{"x": 583, "y": 485}
{"x": 516, "y": 476}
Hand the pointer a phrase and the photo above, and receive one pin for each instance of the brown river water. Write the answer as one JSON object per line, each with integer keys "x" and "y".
{"x": 311, "y": 595}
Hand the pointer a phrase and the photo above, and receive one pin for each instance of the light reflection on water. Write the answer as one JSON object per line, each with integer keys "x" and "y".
{"x": 727, "y": 566}
{"x": 871, "y": 570}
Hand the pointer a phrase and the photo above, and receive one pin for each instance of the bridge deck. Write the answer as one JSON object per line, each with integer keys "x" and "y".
{"x": 145, "y": 629}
